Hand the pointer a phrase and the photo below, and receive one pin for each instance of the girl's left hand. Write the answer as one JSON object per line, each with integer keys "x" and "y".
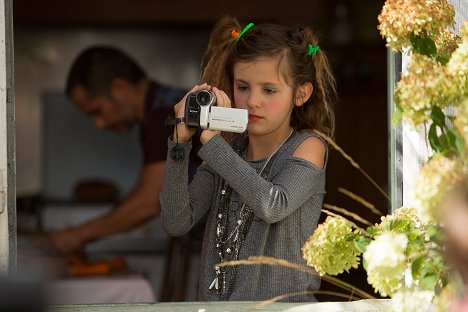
{"x": 222, "y": 100}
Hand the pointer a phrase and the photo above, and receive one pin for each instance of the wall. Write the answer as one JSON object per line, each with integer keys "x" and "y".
{"x": 43, "y": 56}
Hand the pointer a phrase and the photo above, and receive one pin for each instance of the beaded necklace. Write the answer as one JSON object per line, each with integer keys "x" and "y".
{"x": 228, "y": 245}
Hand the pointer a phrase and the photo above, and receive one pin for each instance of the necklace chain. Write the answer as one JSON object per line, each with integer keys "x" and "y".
{"x": 276, "y": 150}
{"x": 228, "y": 246}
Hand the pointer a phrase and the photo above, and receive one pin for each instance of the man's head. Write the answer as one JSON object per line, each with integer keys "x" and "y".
{"x": 103, "y": 83}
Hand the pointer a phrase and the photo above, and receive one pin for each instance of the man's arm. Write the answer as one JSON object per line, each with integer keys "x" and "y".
{"x": 139, "y": 206}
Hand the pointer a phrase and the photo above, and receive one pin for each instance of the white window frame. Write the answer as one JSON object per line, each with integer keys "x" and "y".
{"x": 7, "y": 143}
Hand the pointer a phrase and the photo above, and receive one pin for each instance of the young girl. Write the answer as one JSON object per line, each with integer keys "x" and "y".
{"x": 263, "y": 191}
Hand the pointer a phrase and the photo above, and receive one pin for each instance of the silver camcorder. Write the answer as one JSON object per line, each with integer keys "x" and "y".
{"x": 201, "y": 111}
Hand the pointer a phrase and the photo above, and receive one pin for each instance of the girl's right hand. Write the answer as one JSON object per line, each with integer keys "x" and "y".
{"x": 183, "y": 133}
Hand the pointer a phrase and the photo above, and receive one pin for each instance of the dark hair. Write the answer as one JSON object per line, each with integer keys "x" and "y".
{"x": 96, "y": 67}
{"x": 298, "y": 68}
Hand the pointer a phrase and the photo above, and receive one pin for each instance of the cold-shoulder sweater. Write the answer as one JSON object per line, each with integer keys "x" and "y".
{"x": 286, "y": 209}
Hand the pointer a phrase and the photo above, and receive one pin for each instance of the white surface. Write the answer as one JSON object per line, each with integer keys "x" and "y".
{"x": 4, "y": 123}
{"x": 416, "y": 151}
{"x": 94, "y": 290}
{"x": 367, "y": 305}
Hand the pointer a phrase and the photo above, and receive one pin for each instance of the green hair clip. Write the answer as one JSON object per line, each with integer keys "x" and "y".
{"x": 250, "y": 25}
{"x": 312, "y": 49}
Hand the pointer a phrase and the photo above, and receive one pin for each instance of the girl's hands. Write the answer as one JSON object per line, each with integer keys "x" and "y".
{"x": 222, "y": 100}
{"x": 184, "y": 133}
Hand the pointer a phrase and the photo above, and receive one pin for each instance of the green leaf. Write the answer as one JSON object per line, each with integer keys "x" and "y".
{"x": 351, "y": 236}
{"x": 362, "y": 243}
{"x": 397, "y": 116}
{"x": 459, "y": 143}
{"x": 435, "y": 234}
{"x": 415, "y": 246}
{"x": 434, "y": 138}
{"x": 372, "y": 230}
{"x": 416, "y": 266}
{"x": 438, "y": 116}
{"x": 414, "y": 234}
{"x": 364, "y": 264}
{"x": 428, "y": 282}
{"x": 442, "y": 59}
{"x": 444, "y": 142}
{"x": 451, "y": 138}
{"x": 397, "y": 224}
{"x": 423, "y": 45}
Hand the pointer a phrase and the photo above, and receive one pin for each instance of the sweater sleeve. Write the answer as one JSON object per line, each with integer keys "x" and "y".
{"x": 183, "y": 205}
{"x": 297, "y": 182}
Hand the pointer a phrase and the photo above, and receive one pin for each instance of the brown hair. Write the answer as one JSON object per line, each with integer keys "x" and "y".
{"x": 272, "y": 40}
{"x": 96, "y": 67}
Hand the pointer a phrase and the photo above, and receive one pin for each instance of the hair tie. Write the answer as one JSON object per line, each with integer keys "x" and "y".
{"x": 250, "y": 25}
{"x": 234, "y": 33}
{"x": 312, "y": 49}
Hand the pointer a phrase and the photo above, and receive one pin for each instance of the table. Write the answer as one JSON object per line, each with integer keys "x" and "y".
{"x": 367, "y": 305}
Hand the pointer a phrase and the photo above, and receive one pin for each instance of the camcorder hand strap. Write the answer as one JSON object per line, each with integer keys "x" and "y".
{"x": 171, "y": 120}
{"x": 177, "y": 152}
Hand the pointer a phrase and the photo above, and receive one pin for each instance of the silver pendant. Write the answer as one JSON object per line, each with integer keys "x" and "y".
{"x": 214, "y": 284}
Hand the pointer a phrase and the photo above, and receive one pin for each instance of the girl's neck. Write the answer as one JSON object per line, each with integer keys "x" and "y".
{"x": 261, "y": 147}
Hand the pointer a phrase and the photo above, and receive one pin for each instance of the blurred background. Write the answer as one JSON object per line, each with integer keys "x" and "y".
{"x": 57, "y": 148}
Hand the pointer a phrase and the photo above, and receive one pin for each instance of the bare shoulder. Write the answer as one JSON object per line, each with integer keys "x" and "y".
{"x": 313, "y": 150}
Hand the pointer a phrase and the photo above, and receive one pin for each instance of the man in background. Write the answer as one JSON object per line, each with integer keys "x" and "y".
{"x": 109, "y": 87}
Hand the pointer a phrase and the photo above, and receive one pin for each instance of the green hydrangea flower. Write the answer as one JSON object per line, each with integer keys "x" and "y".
{"x": 461, "y": 121}
{"x": 407, "y": 214}
{"x": 330, "y": 250}
{"x": 401, "y": 18}
{"x": 433, "y": 181}
{"x": 446, "y": 42}
{"x": 427, "y": 84}
{"x": 457, "y": 66}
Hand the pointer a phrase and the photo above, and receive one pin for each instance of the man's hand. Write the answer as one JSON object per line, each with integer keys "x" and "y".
{"x": 66, "y": 241}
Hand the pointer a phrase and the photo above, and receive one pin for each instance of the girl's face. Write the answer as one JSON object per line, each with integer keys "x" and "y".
{"x": 260, "y": 88}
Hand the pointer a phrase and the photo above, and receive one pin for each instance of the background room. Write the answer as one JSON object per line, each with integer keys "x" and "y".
{"x": 58, "y": 149}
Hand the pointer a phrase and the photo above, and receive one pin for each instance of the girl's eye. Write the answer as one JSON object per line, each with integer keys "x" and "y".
{"x": 241, "y": 88}
{"x": 269, "y": 91}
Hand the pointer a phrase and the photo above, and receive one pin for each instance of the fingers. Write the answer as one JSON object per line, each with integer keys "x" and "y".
{"x": 179, "y": 108}
{"x": 222, "y": 99}
{"x": 182, "y": 132}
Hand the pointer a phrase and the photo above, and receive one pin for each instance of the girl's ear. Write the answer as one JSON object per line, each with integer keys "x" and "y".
{"x": 303, "y": 93}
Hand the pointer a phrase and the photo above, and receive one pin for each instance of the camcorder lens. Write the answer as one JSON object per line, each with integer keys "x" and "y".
{"x": 204, "y": 97}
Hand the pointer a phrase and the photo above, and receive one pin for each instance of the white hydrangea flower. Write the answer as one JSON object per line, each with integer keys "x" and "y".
{"x": 385, "y": 262}
{"x": 413, "y": 301}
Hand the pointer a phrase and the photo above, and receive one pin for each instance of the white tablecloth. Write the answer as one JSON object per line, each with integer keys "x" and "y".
{"x": 96, "y": 290}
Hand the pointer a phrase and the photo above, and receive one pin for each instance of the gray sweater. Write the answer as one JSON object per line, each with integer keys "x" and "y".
{"x": 286, "y": 207}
